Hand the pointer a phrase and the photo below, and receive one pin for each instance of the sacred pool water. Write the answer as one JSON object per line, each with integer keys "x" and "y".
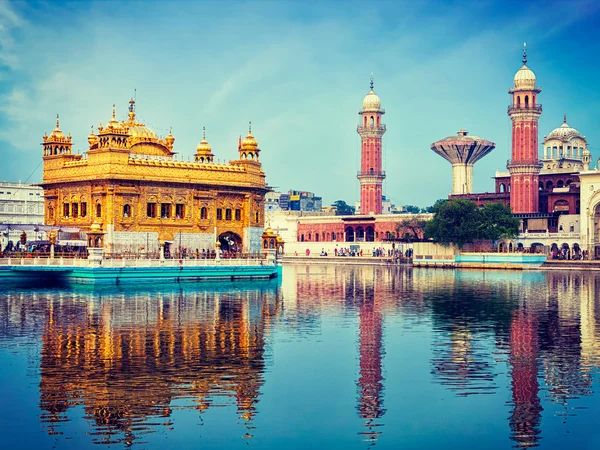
{"x": 328, "y": 357}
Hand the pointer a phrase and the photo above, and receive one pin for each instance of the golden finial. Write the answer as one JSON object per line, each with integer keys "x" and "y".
{"x": 203, "y": 133}
{"x": 113, "y": 111}
{"x": 57, "y": 121}
{"x": 250, "y": 127}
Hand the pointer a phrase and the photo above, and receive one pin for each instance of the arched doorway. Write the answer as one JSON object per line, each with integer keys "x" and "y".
{"x": 230, "y": 242}
{"x": 370, "y": 234}
{"x": 537, "y": 247}
{"x": 360, "y": 234}
{"x": 349, "y": 234}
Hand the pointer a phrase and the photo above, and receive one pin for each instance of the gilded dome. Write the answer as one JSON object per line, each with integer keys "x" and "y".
{"x": 204, "y": 146}
{"x": 249, "y": 143}
{"x": 524, "y": 78}
{"x": 141, "y": 132}
{"x": 170, "y": 139}
{"x": 371, "y": 102}
{"x": 92, "y": 138}
{"x": 56, "y": 133}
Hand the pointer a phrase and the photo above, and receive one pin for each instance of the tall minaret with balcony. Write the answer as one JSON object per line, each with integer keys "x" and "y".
{"x": 524, "y": 167}
{"x": 371, "y": 175}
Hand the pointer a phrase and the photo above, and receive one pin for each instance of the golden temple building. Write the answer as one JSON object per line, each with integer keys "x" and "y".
{"x": 131, "y": 184}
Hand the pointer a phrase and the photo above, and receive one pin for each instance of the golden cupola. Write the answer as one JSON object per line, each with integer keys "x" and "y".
{"x": 93, "y": 139}
{"x": 204, "y": 150}
{"x": 170, "y": 140}
{"x": 113, "y": 124}
{"x": 57, "y": 143}
{"x": 249, "y": 147}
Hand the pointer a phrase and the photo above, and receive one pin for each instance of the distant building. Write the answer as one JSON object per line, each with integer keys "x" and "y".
{"x": 20, "y": 204}
{"x": 293, "y": 201}
{"x": 304, "y": 201}
{"x": 272, "y": 201}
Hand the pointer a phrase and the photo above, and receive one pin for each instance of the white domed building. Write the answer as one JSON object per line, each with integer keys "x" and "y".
{"x": 564, "y": 150}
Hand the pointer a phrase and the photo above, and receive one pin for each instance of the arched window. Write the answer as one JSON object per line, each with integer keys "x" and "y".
{"x": 549, "y": 185}
{"x": 126, "y": 211}
{"x": 518, "y": 101}
{"x": 527, "y": 101}
{"x": 502, "y": 187}
{"x": 265, "y": 244}
{"x": 317, "y": 237}
{"x": 98, "y": 210}
{"x": 50, "y": 212}
{"x": 541, "y": 186}
{"x": 302, "y": 238}
{"x": 372, "y": 121}
{"x": 568, "y": 182}
{"x": 560, "y": 183}
{"x": 203, "y": 213}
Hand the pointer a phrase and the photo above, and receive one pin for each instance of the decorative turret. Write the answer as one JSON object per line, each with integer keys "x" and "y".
{"x": 114, "y": 135}
{"x": 586, "y": 158}
{"x": 57, "y": 143}
{"x": 170, "y": 140}
{"x": 93, "y": 139}
{"x": 248, "y": 147}
{"x": 204, "y": 150}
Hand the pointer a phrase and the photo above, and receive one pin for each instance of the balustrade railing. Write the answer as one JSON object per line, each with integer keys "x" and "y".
{"x": 524, "y": 108}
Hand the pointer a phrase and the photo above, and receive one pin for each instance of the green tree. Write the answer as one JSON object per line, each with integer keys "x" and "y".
{"x": 343, "y": 209}
{"x": 430, "y": 209}
{"x": 412, "y": 209}
{"x": 498, "y": 222}
{"x": 460, "y": 221}
{"x": 412, "y": 229}
{"x": 455, "y": 222}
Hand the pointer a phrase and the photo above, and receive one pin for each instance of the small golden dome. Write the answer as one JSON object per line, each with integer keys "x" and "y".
{"x": 56, "y": 133}
{"x": 249, "y": 143}
{"x": 204, "y": 146}
{"x": 113, "y": 124}
{"x": 170, "y": 138}
{"x": 92, "y": 138}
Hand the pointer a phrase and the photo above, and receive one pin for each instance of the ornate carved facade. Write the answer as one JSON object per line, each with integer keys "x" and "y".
{"x": 130, "y": 182}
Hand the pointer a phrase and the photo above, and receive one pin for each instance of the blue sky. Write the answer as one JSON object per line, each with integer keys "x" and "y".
{"x": 298, "y": 71}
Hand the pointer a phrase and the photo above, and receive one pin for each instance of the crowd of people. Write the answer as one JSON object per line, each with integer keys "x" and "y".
{"x": 40, "y": 249}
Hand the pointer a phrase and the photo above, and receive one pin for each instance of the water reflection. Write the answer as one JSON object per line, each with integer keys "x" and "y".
{"x": 127, "y": 361}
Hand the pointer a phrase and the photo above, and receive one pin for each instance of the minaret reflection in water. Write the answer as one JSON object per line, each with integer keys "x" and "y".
{"x": 370, "y": 382}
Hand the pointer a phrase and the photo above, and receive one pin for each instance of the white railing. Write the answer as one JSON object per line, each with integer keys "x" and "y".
{"x": 529, "y": 235}
{"x": 116, "y": 263}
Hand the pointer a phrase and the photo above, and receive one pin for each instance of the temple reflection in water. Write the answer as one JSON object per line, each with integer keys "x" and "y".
{"x": 128, "y": 359}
